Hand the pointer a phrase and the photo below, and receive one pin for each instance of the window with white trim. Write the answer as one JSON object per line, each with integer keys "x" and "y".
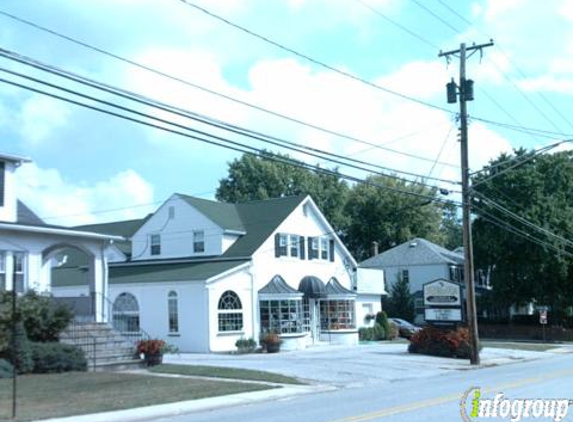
{"x": 324, "y": 251}
{"x": 314, "y": 245}
{"x": 337, "y": 314}
{"x": 198, "y": 241}
{"x": 19, "y": 270}
{"x": 2, "y": 270}
{"x": 294, "y": 245}
{"x": 173, "y": 312}
{"x": 281, "y": 316}
{"x": 230, "y": 312}
{"x": 155, "y": 241}
{"x": 125, "y": 313}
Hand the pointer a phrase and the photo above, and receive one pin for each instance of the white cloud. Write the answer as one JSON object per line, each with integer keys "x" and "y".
{"x": 67, "y": 203}
{"x": 40, "y": 117}
{"x": 548, "y": 83}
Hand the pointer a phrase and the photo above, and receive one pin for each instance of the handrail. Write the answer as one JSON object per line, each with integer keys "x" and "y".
{"x": 74, "y": 329}
{"x": 124, "y": 318}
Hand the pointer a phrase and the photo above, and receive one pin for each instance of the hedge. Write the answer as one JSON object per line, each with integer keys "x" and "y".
{"x": 57, "y": 357}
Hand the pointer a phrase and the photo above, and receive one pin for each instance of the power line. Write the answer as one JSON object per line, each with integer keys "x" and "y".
{"x": 313, "y": 60}
{"x": 522, "y": 219}
{"x": 397, "y": 24}
{"x": 520, "y": 160}
{"x": 213, "y": 92}
{"x": 225, "y": 143}
{"x": 184, "y": 113}
{"x": 517, "y": 68}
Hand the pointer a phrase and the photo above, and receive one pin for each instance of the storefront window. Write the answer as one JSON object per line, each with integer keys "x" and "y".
{"x": 337, "y": 314}
{"x": 281, "y": 316}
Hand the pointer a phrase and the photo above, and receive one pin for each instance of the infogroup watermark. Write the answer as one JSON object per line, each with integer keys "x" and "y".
{"x": 474, "y": 407}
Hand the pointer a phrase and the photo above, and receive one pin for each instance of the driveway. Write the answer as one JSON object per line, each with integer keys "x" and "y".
{"x": 353, "y": 366}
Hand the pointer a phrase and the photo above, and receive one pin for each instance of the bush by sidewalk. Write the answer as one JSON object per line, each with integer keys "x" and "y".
{"x": 441, "y": 342}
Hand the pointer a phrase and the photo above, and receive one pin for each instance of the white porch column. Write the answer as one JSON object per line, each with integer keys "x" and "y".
{"x": 99, "y": 290}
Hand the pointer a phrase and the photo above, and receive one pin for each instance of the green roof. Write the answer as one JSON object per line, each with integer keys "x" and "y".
{"x": 118, "y": 228}
{"x": 125, "y": 274}
{"x": 223, "y": 214}
{"x": 200, "y": 270}
{"x": 261, "y": 219}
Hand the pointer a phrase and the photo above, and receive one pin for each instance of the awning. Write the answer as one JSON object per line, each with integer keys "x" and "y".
{"x": 334, "y": 288}
{"x": 312, "y": 287}
{"x": 278, "y": 287}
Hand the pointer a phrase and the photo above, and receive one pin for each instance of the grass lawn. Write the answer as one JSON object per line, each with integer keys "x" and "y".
{"x": 73, "y": 393}
{"x": 534, "y": 347}
{"x": 222, "y": 372}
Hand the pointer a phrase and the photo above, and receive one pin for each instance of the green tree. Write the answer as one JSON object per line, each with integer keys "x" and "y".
{"x": 400, "y": 303}
{"x": 541, "y": 191}
{"x": 451, "y": 227}
{"x": 260, "y": 177}
{"x": 390, "y": 217}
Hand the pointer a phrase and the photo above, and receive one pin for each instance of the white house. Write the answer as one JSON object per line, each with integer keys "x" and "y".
{"x": 203, "y": 274}
{"x": 28, "y": 246}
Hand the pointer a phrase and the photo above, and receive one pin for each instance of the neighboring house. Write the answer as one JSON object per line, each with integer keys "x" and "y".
{"x": 29, "y": 247}
{"x": 202, "y": 274}
{"x": 420, "y": 261}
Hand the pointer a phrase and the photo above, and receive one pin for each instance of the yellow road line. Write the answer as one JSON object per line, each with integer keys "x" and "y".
{"x": 389, "y": 411}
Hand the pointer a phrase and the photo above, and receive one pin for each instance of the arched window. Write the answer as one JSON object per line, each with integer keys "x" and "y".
{"x": 230, "y": 312}
{"x": 126, "y": 313}
{"x": 173, "y": 312}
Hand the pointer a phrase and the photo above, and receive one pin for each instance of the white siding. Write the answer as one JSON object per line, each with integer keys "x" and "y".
{"x": 177, "y": 232}
{"x": 8, "y": 211}
{"x": 419, "y": 275}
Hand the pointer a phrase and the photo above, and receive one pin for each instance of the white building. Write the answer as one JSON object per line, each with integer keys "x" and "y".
{"x": 28, "y": 245}
{"x": 202, "y": 274}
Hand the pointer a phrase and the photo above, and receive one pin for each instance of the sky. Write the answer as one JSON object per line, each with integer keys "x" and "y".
{"x": 89, "y": 167}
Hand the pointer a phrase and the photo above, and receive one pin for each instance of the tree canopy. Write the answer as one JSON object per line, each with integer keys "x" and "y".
{"x": 540, "y": 190}
{"x": 360, "y": 213}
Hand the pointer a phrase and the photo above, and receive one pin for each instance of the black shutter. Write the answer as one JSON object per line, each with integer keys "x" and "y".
{"x": 301, "y": 246}
{"x": 2, "y": 169}
{"x": 331, "y": 249}
{"x": 277, "y": 245}
{"x": 309, "y": 241}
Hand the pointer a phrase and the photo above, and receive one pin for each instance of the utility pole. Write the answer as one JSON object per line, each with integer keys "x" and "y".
{"x": 465, "y": 89}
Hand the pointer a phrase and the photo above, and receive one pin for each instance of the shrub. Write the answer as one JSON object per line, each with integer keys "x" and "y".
{"x": 43, "y": 318}
{"x": 57, "y": 357}
{"x": 382, "y": 319}
{"x": 374, "y": 333}
{"x": 393, "y": 331}
{"x": 6, "y": 369}
{"x": 244, "y": 345}
{"x": 21, "y": 357}
{"x": 440, "y": 342}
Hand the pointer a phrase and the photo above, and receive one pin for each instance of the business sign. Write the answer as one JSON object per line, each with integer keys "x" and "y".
{"x": 443, "y": 314}
{"x": 543, "y": 317}
{"x": 442, "y": 293}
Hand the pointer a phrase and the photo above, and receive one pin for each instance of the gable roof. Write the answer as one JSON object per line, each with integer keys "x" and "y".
{"x": 223, "y": 214}
{"x": 260, "y": 219}
{"x": 25, "y": 215}
{"x": 414, "y": 252}
{"x": 118, "y": 228}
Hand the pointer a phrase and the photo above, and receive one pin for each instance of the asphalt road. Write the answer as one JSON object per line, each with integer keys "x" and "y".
{"x": 435, "y": 398}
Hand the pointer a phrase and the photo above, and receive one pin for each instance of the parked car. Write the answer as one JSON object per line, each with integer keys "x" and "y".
{"x": 405, "y": 329}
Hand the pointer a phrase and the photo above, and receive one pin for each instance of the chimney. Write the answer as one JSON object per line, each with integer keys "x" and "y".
{"x": 374, "y": 248}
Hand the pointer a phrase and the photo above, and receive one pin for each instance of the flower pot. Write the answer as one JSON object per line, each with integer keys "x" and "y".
{"x": 153, "y": 359}
{"x": 273, "y": 347}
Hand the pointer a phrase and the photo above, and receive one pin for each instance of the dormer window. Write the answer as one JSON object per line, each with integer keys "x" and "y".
{"x": 198, "y": 241}
{"x": 155, "y": 241}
